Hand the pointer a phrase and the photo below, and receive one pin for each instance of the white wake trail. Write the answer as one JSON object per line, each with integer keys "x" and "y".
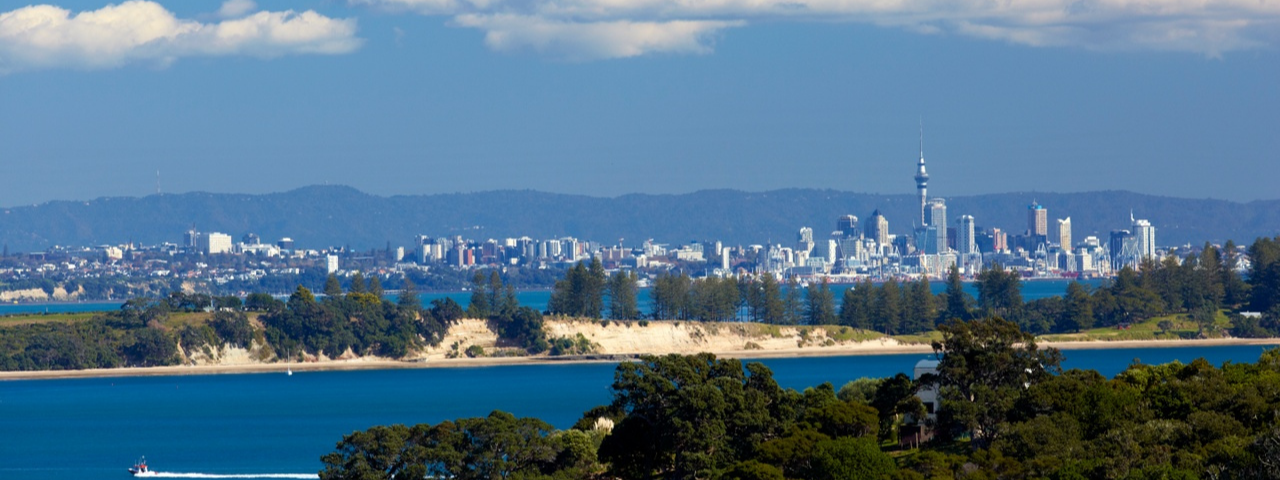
{"x": 238, "y": 475}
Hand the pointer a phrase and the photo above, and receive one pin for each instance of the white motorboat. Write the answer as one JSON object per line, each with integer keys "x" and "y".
{"x": 139, "y": 469}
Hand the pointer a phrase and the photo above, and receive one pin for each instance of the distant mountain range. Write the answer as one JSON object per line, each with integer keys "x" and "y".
{"x": 321, "y": 216}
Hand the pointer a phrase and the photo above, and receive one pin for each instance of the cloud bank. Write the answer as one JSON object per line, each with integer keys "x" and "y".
{"x": 594, "y": 40}
{"x": 45, "y": 36}
{"x": 599, "y": 29}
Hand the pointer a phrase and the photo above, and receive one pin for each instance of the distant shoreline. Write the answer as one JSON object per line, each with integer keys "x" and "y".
{"x": 384, "y": 364}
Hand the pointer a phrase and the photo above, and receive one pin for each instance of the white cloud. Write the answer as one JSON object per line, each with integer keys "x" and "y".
{"x": 426, "y": 7}
{"x": 633, "y": 27}
{"x": 594, "y": 40}
{"x": 45, "y": 36}
{"x": 236, "y": 8}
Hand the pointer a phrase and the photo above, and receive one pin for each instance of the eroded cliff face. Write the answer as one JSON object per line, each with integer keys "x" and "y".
{"x": 664, "y": 337}
{"x": 37, "y": 295}
{"x": 227, "y": 355}
{"x": 606, "y": 338}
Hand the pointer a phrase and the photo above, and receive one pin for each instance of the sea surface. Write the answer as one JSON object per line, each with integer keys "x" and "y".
{"x": 252, "y": 425}
{"x": 538, "y": 299}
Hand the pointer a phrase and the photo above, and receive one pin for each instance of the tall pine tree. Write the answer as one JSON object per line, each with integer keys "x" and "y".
{"x": 479, "y": 306}
{"x": 958, "y": 301}
{"x": 820, "y": 307}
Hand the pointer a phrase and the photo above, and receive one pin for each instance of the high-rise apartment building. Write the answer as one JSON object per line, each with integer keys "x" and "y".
{"x": 1131, "y": 247}
{"x": 966, "y": 242}
{"x": 926, "y": 240}
{"x": 1064, "y": 233}
{"x": 937, "y": 220}
{"x": 847, "y": 226}
{"x": 1145, "y": 237}
{"x": 878, "y": 228}
{"x": 1037, "y": 220}
{"x": 804, "y": 240}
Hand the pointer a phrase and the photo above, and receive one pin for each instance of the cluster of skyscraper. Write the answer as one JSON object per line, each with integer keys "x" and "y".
{"x": 934, "y": 245}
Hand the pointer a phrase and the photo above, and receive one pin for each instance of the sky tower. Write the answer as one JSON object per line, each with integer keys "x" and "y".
{"x": 922, "y": 178}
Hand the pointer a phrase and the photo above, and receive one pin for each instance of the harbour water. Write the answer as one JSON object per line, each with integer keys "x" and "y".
{"x": 232, "y": 426}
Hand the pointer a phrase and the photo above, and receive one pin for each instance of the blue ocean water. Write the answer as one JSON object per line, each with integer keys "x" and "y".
{"x": 248, "y": 424}
{"x": 16, "y": 308}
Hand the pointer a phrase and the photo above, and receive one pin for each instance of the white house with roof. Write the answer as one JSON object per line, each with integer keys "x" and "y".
{"x": 916, "y": 431}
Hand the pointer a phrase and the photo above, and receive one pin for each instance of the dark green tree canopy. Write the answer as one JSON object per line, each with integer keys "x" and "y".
{"x": 688, "y": 416}
{"x": 984, "y": 367}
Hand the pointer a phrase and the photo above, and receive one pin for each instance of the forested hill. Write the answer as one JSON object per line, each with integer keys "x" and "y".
{"x": 321, "y": 216}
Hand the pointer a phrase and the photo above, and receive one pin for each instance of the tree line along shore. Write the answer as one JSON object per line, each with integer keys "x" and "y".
{"x": 1201, "y": 297}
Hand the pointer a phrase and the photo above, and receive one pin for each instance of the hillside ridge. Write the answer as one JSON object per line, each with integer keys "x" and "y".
{"x": 330, "y": 215}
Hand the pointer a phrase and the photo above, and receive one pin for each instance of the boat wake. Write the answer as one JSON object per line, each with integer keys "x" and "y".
{"x": 237, "y": 475}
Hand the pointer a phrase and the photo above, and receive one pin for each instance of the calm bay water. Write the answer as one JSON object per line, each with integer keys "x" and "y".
{"x": 17, "y": 308}
{"x": 273, "y": 423}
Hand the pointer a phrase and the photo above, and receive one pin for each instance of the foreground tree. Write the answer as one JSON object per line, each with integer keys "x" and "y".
{"x": 895, "y": 397}
{"x": 985, "y": 366}
{"x": 497, "y": 446}
{"x": 684, "y": 417}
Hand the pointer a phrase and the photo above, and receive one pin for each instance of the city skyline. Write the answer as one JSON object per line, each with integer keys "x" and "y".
{"x": 407, "y": 101}
{"x": 930, "y": 249}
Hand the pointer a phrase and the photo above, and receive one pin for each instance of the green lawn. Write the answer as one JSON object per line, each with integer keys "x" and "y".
{"x": 925, "y": 338}
{"x": 1183, "y": 328}
{"x": 175, "y": 320}
{"x": 30, "y": 318}
{"x": 848, "y": 334}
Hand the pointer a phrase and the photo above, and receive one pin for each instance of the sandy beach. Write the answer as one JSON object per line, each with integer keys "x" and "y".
{"x": 435, "y": 359}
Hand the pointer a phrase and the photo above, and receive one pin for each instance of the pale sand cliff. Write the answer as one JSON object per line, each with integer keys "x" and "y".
{"x": 616, "y": 339}
{"x": 37, "y": 295}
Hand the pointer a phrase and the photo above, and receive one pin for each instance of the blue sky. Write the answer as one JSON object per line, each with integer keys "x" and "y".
{"x": 607, "y": 97}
